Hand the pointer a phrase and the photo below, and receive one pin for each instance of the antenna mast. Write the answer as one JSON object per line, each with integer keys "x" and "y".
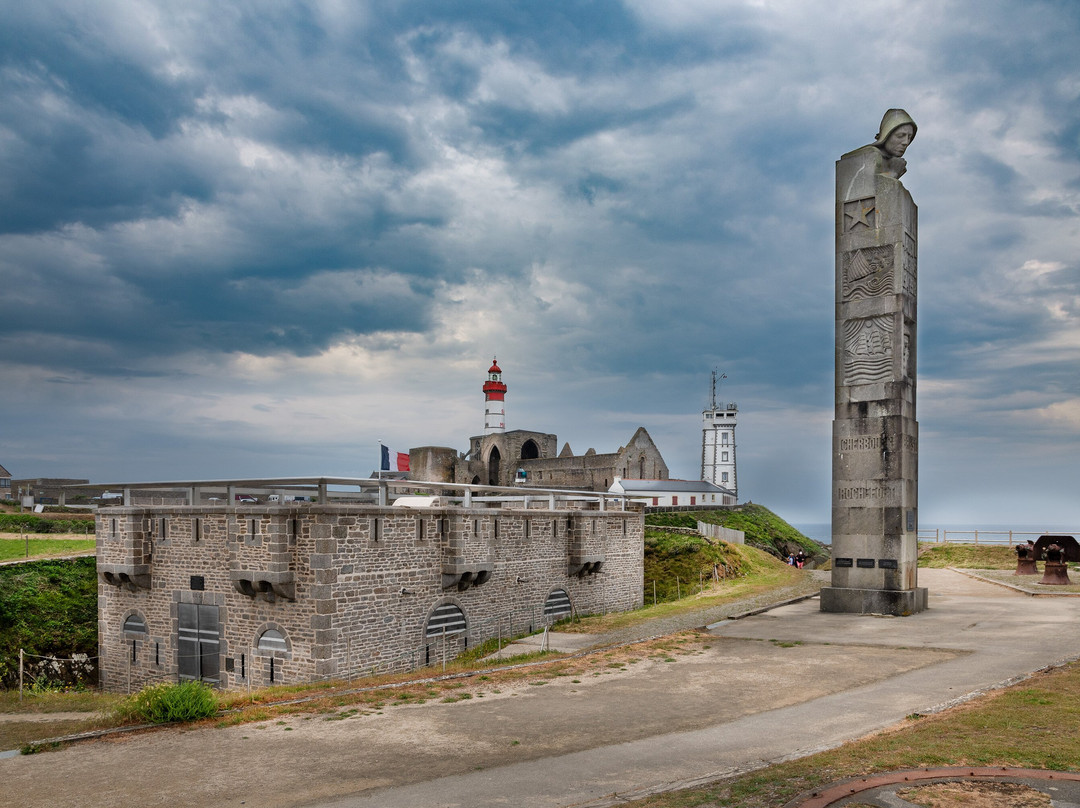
{"x": 712, "y": 399}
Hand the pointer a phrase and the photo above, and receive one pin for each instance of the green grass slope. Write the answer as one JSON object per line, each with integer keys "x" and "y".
{"x": 763, "y": 528}
{"x": 677, "y": 564}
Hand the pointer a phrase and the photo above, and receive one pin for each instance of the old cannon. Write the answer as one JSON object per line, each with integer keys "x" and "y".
{"x": 1025, "y": 559}
{"x": 1056, "y": 552}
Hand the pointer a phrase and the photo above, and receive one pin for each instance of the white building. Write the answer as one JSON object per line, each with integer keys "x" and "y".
{"x": 671, "y": 493}
{"x": 718, "y": 443}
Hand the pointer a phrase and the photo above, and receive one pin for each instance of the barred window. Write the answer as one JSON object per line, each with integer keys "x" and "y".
{"x": 134, "y": 624}
{"x": 272, "y": 640}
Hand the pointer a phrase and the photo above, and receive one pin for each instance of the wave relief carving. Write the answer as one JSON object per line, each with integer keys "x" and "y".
{"x": 868, "y": 272}
{"x": 868, "y": 350}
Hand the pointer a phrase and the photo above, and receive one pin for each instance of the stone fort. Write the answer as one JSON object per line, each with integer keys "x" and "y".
{"x": 240, "y": 595}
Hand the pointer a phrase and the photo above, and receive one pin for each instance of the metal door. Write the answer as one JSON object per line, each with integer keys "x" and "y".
{"x": 198, "y": 643}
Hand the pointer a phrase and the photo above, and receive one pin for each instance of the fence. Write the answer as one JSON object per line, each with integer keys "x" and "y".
{"x": 721, "y": 533}
{"x": 976, "y": 536}
{"x": 35, "y": 668}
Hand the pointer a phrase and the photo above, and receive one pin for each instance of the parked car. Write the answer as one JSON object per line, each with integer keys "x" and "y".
{"x": 246, "y": 498}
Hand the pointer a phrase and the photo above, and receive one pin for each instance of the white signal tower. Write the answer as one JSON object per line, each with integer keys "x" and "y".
{"x": 718, "y": 442}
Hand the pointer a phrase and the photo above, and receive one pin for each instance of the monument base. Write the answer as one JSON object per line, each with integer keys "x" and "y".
{"x": 894, "y": 602}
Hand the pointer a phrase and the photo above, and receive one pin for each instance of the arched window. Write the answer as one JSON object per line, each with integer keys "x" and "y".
{"x": 557, "y": 605}
{"x": 135, "y": 624}
{"x": 529, "y": 450}
{"x": 446, "y": 618}
{"x": 272, "y": 640}
{"x": 493, "y": 466}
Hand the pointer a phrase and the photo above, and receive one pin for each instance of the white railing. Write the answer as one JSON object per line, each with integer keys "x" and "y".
{"x": 976, "y": 536}
{"x": 363, "y": 490}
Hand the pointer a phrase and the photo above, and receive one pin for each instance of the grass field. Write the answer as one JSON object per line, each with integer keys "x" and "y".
{"x": 967, "y": 556}
{"x": 12, "y": 548}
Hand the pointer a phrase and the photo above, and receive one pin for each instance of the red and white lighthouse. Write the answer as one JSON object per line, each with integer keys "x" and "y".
{"x": 494, "y": 403}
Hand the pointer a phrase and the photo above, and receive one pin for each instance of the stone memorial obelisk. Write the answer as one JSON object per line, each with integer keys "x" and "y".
{"x": 875, "y": 485}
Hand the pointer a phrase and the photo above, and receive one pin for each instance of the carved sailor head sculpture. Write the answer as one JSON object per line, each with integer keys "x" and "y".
{"x": 895, "y": 134}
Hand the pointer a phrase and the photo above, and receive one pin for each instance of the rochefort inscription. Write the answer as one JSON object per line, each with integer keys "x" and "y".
{"x": 875, "y": 433}
{"x": 861, "y": 492}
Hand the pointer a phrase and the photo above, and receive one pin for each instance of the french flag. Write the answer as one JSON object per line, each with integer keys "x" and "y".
{"x": 400, "y": 460}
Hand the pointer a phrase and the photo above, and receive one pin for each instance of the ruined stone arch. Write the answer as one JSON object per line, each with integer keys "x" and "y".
{"x": 494, "y": 464}
{"x": 529, "y": 450}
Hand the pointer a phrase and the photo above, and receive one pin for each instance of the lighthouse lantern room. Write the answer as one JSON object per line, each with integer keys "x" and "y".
{"x": 494, "y": 400}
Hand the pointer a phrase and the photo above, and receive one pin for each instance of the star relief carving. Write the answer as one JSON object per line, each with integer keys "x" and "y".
{"x": 859, "y": 212}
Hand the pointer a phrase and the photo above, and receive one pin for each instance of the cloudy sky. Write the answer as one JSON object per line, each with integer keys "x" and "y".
{"x": 254, "y": 239}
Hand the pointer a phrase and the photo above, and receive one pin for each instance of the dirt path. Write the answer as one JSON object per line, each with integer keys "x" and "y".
{"x": 302, "y": 759}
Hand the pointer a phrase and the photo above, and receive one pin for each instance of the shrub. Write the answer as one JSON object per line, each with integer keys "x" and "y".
{"x": 49, "y": 609}
{"x": 32, "y": 523}
{"x": 164, "y": 703}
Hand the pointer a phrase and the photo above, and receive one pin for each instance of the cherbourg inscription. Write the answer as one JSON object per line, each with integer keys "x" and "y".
{"x": 863, "y": 443}
{"x": 874, "y": 443}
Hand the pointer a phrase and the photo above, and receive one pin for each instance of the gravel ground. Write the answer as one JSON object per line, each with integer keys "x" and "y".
{"x": 1027, "y": 583}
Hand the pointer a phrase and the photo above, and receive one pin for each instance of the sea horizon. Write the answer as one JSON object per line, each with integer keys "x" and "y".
{"x": 989, "y": 533}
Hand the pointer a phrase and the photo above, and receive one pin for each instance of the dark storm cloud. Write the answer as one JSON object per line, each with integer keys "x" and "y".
{"x": 215, "y": 217}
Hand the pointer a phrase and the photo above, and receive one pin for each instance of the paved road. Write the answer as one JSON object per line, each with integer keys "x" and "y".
{"x": 753, "y": 696}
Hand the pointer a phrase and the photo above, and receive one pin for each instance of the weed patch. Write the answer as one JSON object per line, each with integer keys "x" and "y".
{"x": 166, "y": 703}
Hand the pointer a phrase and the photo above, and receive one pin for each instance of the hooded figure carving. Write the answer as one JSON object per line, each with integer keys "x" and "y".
{"x": 895, "y": 134}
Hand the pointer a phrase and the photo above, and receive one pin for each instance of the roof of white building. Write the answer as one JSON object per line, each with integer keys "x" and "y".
{"x": 665, "y": 486}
